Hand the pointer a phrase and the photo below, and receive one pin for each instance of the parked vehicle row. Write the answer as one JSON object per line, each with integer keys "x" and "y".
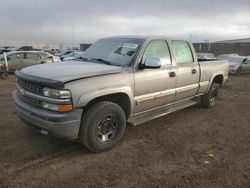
{"x": 21, "y": 59}
{"x": 237, "y": 64}
{"x": 15, "y": 48}
{"x": 205, "y": 56}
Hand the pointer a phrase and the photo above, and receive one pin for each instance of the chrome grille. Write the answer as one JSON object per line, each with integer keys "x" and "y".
{"x": 30, "y": 87}
{"x": 30, "y": 100}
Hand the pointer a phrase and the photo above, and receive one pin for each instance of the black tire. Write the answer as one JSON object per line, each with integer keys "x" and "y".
{"x": 4, "y": 75}
{"x": 102, "y": 126}
{"x": 209, "y": 99}
{"x": 238, "y": 72}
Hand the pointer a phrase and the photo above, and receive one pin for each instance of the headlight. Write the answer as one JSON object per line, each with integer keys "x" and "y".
{"x": 233, "y": 66}
{"x": 56, "y": 93}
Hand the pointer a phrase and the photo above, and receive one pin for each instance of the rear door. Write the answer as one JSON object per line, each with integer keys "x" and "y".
{"x": 155, "y": 87}
{"x": 32, "y": 59}
{"x": 188, "y": 71}
{"x": 15, "y": 61}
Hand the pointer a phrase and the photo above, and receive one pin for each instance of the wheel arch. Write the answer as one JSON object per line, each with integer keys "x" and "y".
{"x": 219, "y": 79}
{"x": 122, "y": 97}
{"x": 216, "y": 78}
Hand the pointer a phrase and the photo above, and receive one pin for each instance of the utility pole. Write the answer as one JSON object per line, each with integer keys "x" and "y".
{"x": 73, "y": 38}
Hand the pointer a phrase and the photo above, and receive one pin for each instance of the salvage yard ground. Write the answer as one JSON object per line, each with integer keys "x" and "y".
{"x": 194, "y": 147}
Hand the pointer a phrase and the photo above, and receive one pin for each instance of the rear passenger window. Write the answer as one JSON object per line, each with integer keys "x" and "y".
{"x": 158, "y": 49}
{"x": 32, "y": 56}
{"x": 182, "y": 52}
{"x": 16, "y": 56}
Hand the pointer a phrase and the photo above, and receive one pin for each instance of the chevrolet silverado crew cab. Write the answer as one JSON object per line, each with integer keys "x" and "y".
{"x": 117, "y": 80}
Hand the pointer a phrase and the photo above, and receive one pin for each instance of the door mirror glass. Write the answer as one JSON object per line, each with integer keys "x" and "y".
{"x": 152, "y": 62}
{"x": 245, "y": 61}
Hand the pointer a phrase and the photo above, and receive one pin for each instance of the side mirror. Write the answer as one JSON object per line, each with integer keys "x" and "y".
{"x": 152, "y": 63}
{"x": 245, "y": 61}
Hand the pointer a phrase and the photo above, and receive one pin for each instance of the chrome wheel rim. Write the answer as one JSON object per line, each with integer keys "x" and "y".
{"x": 107, "y": 128}
{"x": 214, "y": 94}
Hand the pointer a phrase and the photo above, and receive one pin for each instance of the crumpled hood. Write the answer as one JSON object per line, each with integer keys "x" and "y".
{"x": 70, "y": 70}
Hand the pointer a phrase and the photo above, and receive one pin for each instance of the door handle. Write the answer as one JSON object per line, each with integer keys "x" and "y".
{"x": 194, "y": 71}
{"x": 172, "y": 74}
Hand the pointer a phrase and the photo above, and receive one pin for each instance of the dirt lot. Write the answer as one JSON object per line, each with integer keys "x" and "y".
{"x": 194, "y": 147}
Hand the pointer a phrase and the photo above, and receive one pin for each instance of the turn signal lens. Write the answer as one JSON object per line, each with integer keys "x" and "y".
{"x": 57, "y": 107}
{"x": 64, "y": 108}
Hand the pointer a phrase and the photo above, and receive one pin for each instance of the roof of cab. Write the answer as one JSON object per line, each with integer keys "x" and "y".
{"x": 149, "y": 37}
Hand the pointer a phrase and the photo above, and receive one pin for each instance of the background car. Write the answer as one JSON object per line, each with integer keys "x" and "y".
{"x": 205, "y": 56}
{"x": 49, "y": 56}
{"x": 221, "y": 56}
{"x": 5, "y": 49}
{"x": 63, "y": 52}
{"x": 18, "y": 48}
{"x": 237, "y": 64}
{"x": 20, "y": 59}
{"x": 73, "y": 56}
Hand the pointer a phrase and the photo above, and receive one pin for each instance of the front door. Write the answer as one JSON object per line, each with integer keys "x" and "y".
{"x": 155, "y": 87}
{"x": 246, "y": 66}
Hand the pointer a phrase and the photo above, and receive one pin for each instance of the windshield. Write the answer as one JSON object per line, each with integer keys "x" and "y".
{"x": 113, "y": 51}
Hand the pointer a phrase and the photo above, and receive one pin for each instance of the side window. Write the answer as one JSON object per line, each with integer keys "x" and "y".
{"x": 17, "y": 56}
{"x": 32, "y": 56}
{"x": 182, "y": 52}
{"x": 11, "y": 57}
{"x": 158, "y": 49}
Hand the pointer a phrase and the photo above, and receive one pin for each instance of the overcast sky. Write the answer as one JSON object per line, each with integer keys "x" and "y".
{"x": 56, "y": 21}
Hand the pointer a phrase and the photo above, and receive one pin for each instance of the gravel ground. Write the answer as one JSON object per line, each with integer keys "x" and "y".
{"x": 193, "y": 147}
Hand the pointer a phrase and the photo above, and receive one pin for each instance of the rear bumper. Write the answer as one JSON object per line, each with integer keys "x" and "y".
{"x": 64, "y": 125}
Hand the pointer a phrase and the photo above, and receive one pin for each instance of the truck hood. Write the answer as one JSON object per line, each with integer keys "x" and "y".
{"x": 70, "y": 70}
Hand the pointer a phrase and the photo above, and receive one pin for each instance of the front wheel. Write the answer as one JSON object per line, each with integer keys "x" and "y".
{"x": 103, "y": 126}
{"x": 210, "y": 98}
{"x": 238, "y": 72}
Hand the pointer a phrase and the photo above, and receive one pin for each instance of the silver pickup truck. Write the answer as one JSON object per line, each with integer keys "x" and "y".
{"x": 118, "y": 80}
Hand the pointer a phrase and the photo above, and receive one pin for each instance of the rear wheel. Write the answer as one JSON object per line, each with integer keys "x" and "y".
{"x": 210, "y": 98}
{"x": 103, "y": 126}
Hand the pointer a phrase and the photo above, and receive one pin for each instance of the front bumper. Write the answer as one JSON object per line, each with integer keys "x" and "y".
{"x": 64, "y": 125}
{"x": 233, "y": 70}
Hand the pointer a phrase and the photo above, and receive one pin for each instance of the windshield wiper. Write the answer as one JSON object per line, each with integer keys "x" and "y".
{"x": 102, "y": 61}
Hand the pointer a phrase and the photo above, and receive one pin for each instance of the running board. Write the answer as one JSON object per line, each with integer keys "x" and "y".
{"x": 159, "y": 112}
